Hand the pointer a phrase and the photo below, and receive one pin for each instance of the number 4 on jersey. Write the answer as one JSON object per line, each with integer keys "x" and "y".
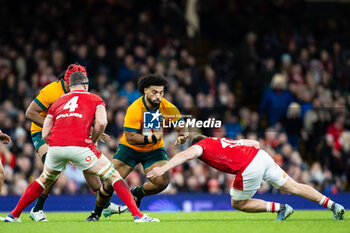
{"x": 72, "y": 104}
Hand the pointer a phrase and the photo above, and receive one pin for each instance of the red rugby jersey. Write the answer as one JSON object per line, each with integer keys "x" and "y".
{"x": 73, "y": 115}
{"x": 226, "y": 155}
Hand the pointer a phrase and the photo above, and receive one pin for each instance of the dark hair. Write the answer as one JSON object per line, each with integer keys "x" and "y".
{"x": 197, "y": 138}
{"x": 77, "y": 78}
{"x": 151, "y": 80}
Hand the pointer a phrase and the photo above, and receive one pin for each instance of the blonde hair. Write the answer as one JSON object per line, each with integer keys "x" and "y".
{"x": 279, "y": 79}
{"x": 294, "y": 109}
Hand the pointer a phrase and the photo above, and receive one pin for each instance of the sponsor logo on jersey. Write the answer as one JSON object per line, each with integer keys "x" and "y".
{"x": 73, "y": 114}
{"x": 151, "y": 120}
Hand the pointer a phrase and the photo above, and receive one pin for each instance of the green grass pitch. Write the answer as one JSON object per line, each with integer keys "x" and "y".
{"x": 201, "y": 222}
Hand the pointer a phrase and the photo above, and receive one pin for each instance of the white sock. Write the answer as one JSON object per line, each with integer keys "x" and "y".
{"x": 273, "y": 207}
{"x": 326, "y": 202}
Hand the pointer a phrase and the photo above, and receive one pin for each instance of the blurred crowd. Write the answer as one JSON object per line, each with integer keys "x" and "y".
{"x": 287, "y": 87}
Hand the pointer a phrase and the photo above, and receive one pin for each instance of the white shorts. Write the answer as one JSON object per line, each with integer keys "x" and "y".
{"x": 82, "y": 157}
{"x": 262, "y": 167}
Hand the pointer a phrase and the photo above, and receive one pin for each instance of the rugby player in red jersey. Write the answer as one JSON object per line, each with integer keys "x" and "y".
{"x": 66, "y": 129}
{"x": 251, "y": 165}
{"x": 36, "y": 113}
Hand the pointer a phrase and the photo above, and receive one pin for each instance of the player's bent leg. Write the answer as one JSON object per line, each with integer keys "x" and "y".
{"x": 104, "y": 169}
{"x": 122, "y": 190}
{"x": 158, "y": 184}
{"x": 249, "y": 206}
{"x": 241, "y": 200}
{"x": 36, "y": 212}
{"x": 151, "y": 186}
{"x": 308, "y": 192}
{"x": 104, "y": 195}
{"x": 103, "y": 199}
{"x": 122, "y": 168}
{"x": 32, "y": 192}
{"x": 93, "y": 181}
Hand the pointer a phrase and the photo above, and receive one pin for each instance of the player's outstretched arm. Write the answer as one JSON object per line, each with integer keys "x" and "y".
{"x": 48, "y": 123}
{"x": 178, "y": 159}
{"x": 33, "y": 114}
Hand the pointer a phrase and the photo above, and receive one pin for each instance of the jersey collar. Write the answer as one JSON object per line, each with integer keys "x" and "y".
{"x": 144, "y": 103}
{"x": 63, "y": 87}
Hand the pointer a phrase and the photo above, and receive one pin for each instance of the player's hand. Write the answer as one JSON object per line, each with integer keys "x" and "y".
{"x": 105, "y": 138}
{"x": 158, "y": 134}
{"x": 4, "y": 138}
{"x": 181, "y": 139}
{"x": 155, "y": 172}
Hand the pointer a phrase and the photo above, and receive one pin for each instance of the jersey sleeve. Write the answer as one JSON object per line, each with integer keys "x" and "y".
{"x": 132, "y": 120}
{"x": 100, "y": 102}
{"x": 199, "y": 150}
{"x": 45, "y": 98}
{"x": 172, "y": 113}
{"x": 201, "y": 145}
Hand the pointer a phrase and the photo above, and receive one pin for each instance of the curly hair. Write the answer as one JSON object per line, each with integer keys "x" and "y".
{"x": 151, "y": 80}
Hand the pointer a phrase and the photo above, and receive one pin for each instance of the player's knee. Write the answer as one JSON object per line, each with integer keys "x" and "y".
{"x": 112, "y": 178}
{"x": 43, "y": 181}
{"x": 238, "y": 205}
{"x": 108, "y": 173}
{"x": 163, "y": 185}
{"x": 162, "y": 182}
{"x": 48, "y": 177}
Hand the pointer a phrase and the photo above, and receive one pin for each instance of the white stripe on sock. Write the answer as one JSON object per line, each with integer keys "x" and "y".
{"x": 329, "y": 204}
{"x": 277, "y": 207}
{"x": 268, "y": 206}
{"x": 322, "y": 200}
{"x": 41, "y": 184}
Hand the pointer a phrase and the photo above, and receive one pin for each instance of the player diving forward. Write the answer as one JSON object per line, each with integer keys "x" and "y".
{"x": 37, "y": 112}
{"x": 66, "y": 128}
{"x": 143, "y": 142}
{"x": 251, "y": 165}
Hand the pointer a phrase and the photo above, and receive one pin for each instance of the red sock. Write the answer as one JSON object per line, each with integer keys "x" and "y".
{"x": 32, "y": 192}
{"x": 122, "y": 190}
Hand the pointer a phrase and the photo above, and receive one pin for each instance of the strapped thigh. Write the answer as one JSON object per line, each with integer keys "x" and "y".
{"x": 49, "y": 175}
{"x": 106, "y": 171}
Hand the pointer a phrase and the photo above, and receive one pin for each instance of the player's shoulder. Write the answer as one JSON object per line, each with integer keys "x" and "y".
{"x": 205, "y": 142}
{"x": 136, "y": 105}
{"x": 53, "y": 90}
{"x": 54, "y": 85}
{"x": 94, "y": 96}
{"x": 166, "y": 103}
